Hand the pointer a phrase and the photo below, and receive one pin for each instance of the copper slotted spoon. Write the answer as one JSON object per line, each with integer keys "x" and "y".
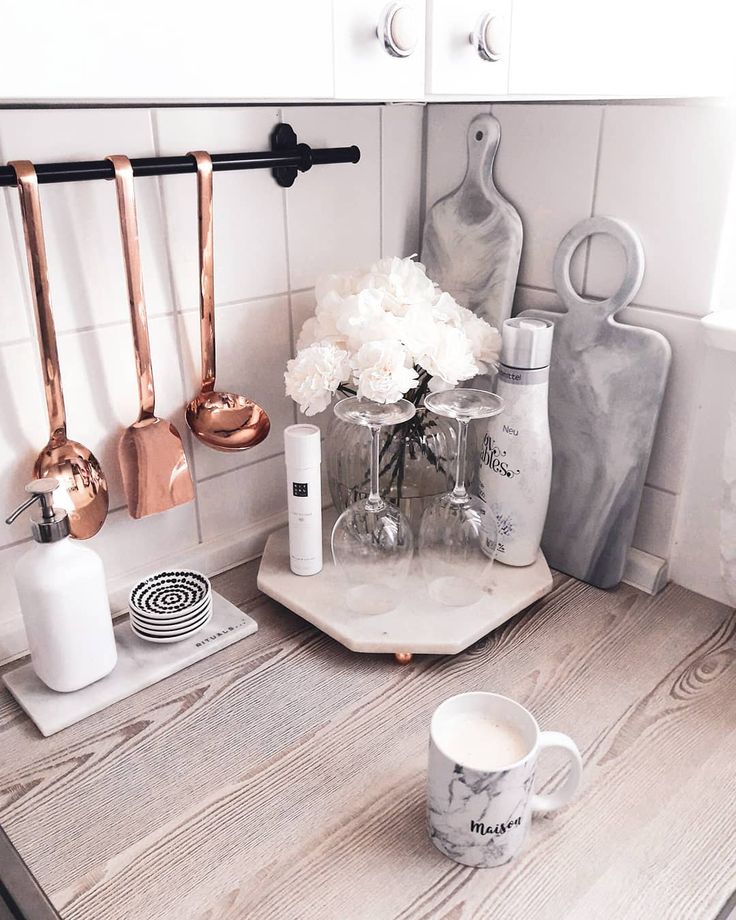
{"x": 224, "y": 421}
{"x": 73, "y": 465}
{"x": 152, "y": 459}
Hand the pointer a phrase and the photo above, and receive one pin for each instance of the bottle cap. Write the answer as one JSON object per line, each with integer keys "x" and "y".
{"x": 526, "y": 343}
{"x": 302, "y": 446}
{"x": 53, "y": 523}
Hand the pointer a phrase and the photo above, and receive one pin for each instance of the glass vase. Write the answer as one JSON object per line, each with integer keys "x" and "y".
{"x": 415, "y": 463}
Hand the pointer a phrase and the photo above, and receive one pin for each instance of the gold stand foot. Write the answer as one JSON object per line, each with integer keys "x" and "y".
{"x": 403, "y": 657}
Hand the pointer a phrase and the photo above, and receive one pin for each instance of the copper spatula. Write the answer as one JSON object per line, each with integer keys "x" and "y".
{"x": 152, "y": 459}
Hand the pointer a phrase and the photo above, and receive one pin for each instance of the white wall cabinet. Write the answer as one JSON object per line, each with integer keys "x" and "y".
{"x": 174, "y": 50}
{"x": 379, "y": 49}
{"x": 345, "y": 50}
{"x": 458, "y": 67}
{"x": 627, "y": 49}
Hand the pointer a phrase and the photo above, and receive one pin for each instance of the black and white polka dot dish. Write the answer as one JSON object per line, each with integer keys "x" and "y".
{"x": 166, "y": 637}
{"x": 170, "y": 594}
{"x": 170, "y": 627}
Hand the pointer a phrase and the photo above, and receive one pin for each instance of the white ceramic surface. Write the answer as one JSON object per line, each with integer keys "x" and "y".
{"x": 148, "y": 636}
{"x": 418, "y": 625}
{"x": 140, "y": 664}
{"x": 481, "y": 817}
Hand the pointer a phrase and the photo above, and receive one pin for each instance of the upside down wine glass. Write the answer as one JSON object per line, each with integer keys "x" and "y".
{"x": 372, "y": 542}
{"x": 455, "y": 527}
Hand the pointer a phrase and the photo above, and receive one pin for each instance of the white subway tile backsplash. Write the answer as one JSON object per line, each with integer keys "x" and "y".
{"x": 334, "y": 212}
{"x": 665, "y": 170}
{"x": 24, "y": 430}
{"x": 253, "y": 347}
{"x": 546, "y": 166}
{"x": 80, "y": 218}
{"x": 127, "y": 546}
{"x": 243, "y": 497}
{"x": 303, "y": 306}
{"x": 654, "y": 528}
{"x": 402, "y": 129}
{"x": 447, "y": 146}
{"x": 667, "y": 463}
{"x": 14, "y": 303}
{"x": 248, "y": 206}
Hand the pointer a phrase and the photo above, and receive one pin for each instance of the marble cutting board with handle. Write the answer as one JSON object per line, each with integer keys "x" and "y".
{"x": 607, "y": 381}
{"x": 472, "y": 238}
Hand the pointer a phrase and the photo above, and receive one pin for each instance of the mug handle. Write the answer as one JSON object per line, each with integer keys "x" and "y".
{"x": 563, "y": 795}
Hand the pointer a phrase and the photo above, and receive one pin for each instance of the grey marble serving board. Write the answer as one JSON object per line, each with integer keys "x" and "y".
{"x": 140, "y": 664}
{"x": 607, "y": 381}
{"x": 472, "y": 237}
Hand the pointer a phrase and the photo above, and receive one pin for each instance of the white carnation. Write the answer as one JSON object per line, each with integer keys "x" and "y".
{"x": 362, "y": 319}
{"x": 451, "y": 360}
{"x": 312, "y": 378}
{"x": 403, "y": 282}
{"x": 383, "y": 371}
{"x": 485, "y": 340}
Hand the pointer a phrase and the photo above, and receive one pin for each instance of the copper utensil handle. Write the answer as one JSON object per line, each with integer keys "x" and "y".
{"x": 125, "y": 190}
{"x": 30, "y": 206}
{"x": 206, "y": 268}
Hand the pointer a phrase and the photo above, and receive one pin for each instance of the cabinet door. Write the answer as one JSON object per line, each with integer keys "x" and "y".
{"x": 161, "y": 49}
{"x": 379, "y": 49}
{"x": 455, "y": 65}
{"x": 630, "y": 49}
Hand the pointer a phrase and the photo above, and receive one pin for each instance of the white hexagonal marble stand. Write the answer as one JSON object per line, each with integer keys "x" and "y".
{"x": 418, "y": 625}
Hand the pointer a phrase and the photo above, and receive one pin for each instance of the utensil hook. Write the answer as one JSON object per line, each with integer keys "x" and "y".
{"x": 124, "y": 187}
{"x": 206, "y": 268}
{"x": 30, "y": 205}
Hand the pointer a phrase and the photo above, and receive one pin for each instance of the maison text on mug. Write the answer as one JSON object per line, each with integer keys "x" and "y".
{"x": 478, "y": 827}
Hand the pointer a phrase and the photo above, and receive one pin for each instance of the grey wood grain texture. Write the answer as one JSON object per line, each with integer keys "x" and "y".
{"x": 607, "y": 382}
{"x": 284, "y": 777}
{"x": 472, "y": 238}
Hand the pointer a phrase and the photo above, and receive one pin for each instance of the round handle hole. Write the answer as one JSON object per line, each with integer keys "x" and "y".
{"x": 479, "y": 135}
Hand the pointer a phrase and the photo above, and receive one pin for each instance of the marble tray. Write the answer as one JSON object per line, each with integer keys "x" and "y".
{"x": 419, "y": 625}
{"x": 140, "y": 664}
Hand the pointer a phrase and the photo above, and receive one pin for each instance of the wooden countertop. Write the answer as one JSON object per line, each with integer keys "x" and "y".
{"x": 283, "y": 777}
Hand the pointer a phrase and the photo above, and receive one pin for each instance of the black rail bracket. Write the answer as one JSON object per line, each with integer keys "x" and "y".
{"x": 286, "y": 159}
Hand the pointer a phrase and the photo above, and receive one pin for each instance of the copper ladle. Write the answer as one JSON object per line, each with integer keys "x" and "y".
{"x": 224, "y": 421}
{"x": 76, "y": 468}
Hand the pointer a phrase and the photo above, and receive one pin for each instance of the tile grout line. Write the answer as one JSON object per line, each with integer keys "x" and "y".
{"x": 675, "y": 314}
{"x": 237, "y": 469}
{"x": 594, "y": 197}
{"x": 178, "y": 335}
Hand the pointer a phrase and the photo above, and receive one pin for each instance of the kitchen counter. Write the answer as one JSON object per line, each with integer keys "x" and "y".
{"x": 284, "y": 776}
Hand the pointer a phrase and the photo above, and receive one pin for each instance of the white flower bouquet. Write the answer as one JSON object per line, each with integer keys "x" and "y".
{"x": 383, "y": 334}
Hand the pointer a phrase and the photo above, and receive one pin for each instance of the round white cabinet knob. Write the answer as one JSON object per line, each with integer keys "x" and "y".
{"x": 398, "y": 29}
{"x": 488, "y": 37}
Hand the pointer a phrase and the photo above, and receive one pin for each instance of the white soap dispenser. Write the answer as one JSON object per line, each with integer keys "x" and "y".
{"x": 516, "y": 455}
{"x": 63, "y": 598}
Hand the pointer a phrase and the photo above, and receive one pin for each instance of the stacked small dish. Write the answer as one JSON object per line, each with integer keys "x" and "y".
{"x": 170, "y": 606}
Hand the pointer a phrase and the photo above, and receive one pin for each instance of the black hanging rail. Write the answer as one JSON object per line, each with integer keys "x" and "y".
{"x": 285, "y": 159}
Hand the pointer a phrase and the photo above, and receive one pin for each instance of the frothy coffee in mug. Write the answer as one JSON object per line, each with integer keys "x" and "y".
{"x": 481, "y": 742}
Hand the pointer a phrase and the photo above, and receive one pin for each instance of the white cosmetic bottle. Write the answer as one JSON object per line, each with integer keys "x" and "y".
{"x": 303, "y": 452}
{"x": 63, "y": 598}
{"x": 516, "y": 454}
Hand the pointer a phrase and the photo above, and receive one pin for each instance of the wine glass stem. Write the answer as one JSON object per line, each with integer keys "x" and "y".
{"x": 459, "y": 492}
{"x": 375, "y": 502}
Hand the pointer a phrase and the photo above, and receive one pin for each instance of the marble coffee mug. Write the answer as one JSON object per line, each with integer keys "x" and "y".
{"x": 480, "y": 795}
